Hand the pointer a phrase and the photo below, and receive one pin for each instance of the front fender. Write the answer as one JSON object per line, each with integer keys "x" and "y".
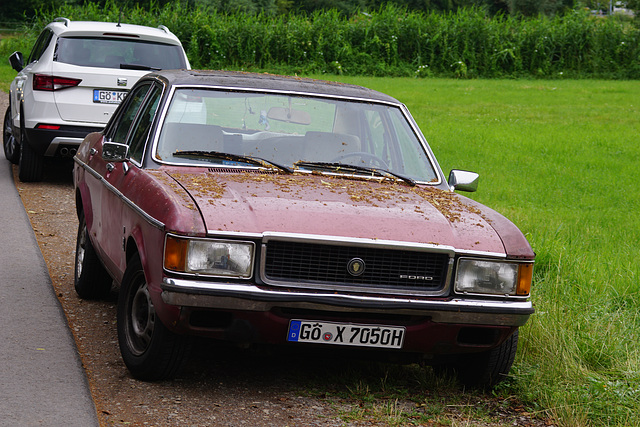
{"x": 148, "y": 242}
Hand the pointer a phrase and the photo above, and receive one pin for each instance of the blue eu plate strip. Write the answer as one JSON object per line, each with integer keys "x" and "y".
{"x": 294, "y": 330}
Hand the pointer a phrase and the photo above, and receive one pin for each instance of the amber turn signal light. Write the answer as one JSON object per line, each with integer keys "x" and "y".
{"x": 525, "y": 277}
{"x": 175, "y": 253}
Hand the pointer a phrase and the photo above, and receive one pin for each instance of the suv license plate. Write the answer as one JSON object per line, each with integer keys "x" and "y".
{"x": 102, "y": 96}
{"x": 346, "y": 334}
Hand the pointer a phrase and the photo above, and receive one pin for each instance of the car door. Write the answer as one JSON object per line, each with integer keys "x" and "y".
{"x": 133, "y": 121}
{"x": 20, "y": 83}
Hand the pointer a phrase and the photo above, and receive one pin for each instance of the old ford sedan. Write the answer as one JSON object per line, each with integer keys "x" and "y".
{"x": 262, "y": 209}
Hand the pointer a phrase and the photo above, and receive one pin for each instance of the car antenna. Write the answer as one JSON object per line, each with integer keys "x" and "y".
{"x": 119, "y": 18}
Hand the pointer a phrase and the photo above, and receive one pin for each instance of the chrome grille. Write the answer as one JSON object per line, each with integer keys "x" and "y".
{"x": 388, "y": 268}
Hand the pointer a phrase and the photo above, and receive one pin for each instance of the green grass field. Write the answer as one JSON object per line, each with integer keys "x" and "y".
{"x": 559, "y": 158}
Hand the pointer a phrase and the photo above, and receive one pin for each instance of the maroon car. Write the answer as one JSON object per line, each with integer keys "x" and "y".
{"x": 255, "y": 208}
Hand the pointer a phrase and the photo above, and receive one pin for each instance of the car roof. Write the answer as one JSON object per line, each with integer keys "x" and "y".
{"x": 65, "y": 27}
{"x": 273, "y": 82}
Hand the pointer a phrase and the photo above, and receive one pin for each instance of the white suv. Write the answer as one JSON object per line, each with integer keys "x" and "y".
{"x": 76, "y": 75}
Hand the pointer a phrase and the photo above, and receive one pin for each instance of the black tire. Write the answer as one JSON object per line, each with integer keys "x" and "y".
{"x": 31, "y": 163}
{"x": 91, "y": 280}
{"x": 150, "y": 351}
{"x": 11, "y": 147}
{"x": 484, "y": 370}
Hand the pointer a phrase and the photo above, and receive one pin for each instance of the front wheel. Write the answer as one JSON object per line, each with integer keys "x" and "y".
{"x": 484, "y": 370}
{"x": 90, "y": 279}
{"x": 149, "y": 350}
{"x": 11, "y": 147}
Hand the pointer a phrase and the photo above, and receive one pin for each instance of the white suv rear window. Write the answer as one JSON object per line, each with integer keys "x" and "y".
{"x": 118, "y": 53}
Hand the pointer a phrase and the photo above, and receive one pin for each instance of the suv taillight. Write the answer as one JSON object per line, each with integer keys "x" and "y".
{"x": 51, "y": 83}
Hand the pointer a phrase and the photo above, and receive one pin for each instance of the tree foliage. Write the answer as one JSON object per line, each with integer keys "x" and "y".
{"x": 25, "y": 9}
{"x": 388, "y": 42}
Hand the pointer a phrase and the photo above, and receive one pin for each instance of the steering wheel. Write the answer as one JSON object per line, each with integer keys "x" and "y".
{"x": 363, "y": 155}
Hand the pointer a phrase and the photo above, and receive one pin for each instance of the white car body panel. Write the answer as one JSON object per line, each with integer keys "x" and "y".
{"x": 74, "y": 106}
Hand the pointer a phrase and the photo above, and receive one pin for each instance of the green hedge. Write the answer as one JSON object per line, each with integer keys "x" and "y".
{"x": 390, "y": 42}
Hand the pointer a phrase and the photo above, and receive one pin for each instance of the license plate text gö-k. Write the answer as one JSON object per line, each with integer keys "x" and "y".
{"x": 108, "y": 96}
{"x": 346, "y": 334}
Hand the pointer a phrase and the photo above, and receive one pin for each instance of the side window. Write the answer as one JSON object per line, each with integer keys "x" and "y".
{"x": 40, "y": 46}
{"x": 127, "y": 114}
{"x": 140, "y": 131}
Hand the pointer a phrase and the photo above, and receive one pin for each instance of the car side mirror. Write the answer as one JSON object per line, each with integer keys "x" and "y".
{"x": 463, "y": 180}
{"x": 114, "y": 151}
{"x": 17, "y": 61}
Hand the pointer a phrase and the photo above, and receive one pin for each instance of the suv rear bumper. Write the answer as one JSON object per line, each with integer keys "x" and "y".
{"x": 49, "y": 142}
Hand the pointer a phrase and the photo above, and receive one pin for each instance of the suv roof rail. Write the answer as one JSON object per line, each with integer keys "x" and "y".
{"x": 65, "y": 20}
{"x": 165, "y": 29}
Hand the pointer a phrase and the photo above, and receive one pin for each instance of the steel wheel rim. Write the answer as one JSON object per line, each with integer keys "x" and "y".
{"x": 141, "y": 322}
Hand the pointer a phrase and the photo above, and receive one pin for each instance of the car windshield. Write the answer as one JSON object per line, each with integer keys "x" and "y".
{"x": 118, "y": 53}
{"x": 299, "y": 132}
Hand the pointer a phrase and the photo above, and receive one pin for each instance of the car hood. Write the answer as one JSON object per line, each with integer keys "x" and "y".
{"x": 345, "y": 207}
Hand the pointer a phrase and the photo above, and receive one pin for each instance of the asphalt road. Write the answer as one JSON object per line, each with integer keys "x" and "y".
{"x": 42, "y": 381}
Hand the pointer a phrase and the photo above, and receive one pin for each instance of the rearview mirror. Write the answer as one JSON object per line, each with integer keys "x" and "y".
{"x": 289, "y": 115}
{"x": 463, "y": 180}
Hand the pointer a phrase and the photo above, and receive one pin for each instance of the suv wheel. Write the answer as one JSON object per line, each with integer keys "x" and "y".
{"x": 31, "y": 163}
{"x": 11, "y": 147}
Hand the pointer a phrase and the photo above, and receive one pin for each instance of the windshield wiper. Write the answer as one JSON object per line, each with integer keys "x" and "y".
{"x": 233, "y": 158}
{"x": 354, "y": 168}
{"x": 138, "y": 67}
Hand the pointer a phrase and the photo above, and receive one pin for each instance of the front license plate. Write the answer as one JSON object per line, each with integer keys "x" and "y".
{"x": 346, "y": 334}
{"x": 103, "y": 96}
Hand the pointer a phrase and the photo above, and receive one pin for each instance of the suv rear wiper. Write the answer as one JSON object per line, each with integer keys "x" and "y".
{"x": 138, "y": 67}
{"x": 234, "y": 158}
{"x": 354, "y": 168}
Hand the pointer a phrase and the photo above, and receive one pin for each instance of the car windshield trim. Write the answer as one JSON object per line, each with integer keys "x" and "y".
{"x": 234, "y": 158}
{"x": 437, "y": 180}
{"x": 337, "y": 167}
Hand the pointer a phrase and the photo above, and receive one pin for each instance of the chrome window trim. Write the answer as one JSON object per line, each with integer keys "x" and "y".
{"x": 403, "y": 109}
{"x": 151, "y": 220}
{"x": 151, "y": 137}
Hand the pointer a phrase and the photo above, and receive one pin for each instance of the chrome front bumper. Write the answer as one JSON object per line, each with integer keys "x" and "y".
{"x": 248, "y": 297}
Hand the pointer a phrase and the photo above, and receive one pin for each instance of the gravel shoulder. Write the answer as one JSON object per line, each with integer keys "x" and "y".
{"x": 238, "y": 387}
